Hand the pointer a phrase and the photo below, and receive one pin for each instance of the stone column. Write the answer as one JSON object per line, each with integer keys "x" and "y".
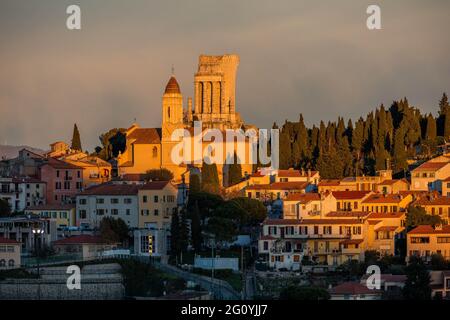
{"x": 197, "y": 97}
{"x": 216, "y": 97}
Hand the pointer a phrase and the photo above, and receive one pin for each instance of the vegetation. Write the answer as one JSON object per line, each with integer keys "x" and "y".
{"x": 76, "y": 140}
{"x": 210, "y": 178}
{"x": 383, "y": 137}
{"x": 417, "y": 216}
{"x": 194, "y": 183}
{"x": 158, "y": 175}
{"x": 304, "y": 293}
{"x": 113, "y": 230}
{"x": 113, "y": 142}
{"x": 234, "y": 172}
{"x": 417, "y": 286}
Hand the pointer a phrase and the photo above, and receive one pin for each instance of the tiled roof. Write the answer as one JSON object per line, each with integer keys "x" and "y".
{"x": 352, "y": 288}
{"x": 280, "y": 186}
{"x": 133, "y": 177}
{"x": 52, "y": 207}
{"x": 294, "y": 173}
{"x": 111, "y": 189}
{"x": 391, "y": 182}
{"x": 154, "y": 185}
{"x": 352, "y": 241}
{"x": 386, "y": 228}
{"x": 172, "y": 86}
{"x": 427, "y": 229}
{"x": 145, "y": 136}
{"x": 383, "y": 198}
{"x": 347, "y": 214}
{"x": 8, "y": 241}
{"x": 431, "y": 166}
{"x": 58, "y": 164}
{"x": 349, "y": 195}
{"x": 329, "y": 182}
{"x": 303, "y": 197}
{"x": 310, "y": 221}
{"x": 437, "y": 201}
{"x": 81, "y": 239}
{"x": 384, "y": 215}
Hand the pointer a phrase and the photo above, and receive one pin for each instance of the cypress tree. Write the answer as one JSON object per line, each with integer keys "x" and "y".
{"x": 234, "y": 172}
{"x": 196, "y": 232}
{"x": 174, "y": 234}
{"x": 76, "y": 141}
{"x": 431, "y": 128}
{"x": 210, "y": 178}
{"x": 194, "y": 183}
{"x": 399, "y": 153}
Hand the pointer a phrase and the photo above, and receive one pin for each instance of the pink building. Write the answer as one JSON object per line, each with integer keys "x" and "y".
{"x": 64, "y": 181}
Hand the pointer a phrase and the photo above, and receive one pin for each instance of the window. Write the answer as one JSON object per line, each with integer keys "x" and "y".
{"x": 156, "y": 212}
{"x": 78, "y": 174}
{"x": 82, "y": 214}
{"x": 266, "y": 245}
{"x": 57, "y": 185}
{"x": 57, "y": 173}
{"x": 2, "y": 263}
{"x": 127, "y": 200}
{"x": 82, "y": 201}
{"x": 420, "y": 239}
{"x": 144, "y": 199}
{"x": 316, "y": 229}
{"x": 100, "y": 212}
{"x": 100, "y": 200}
{"x": 155, "y": 199}
{"x": 114, "y": 200}
{"x": 128, "y": 212}
{"x": 115, "y": 212}
{"x": 155, "y": 152}
{"x": 443, "y": 240}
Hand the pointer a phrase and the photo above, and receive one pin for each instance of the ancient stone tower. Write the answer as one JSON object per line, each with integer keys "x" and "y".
{"x": 215, "y": 92}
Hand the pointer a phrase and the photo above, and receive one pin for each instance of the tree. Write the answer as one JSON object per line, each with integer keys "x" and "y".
{"x": 223, "y": 229}
{"x": 417, "y": 216}
{"x": 194, "y": 183}
{"x": 183, "y": 231}
{"x": 76, "y": 141}
{"x": 174, "y": 234}
{"x": 438, "y": 262}
{"x": 158, "y": 175}
{"x": 113, "y": 230}
{"x": 417, "y": 285}
{"x": 5, "y": 208}
{"x": 113, "y": 142}
{"x": 234, "y": 172}
{"x": 304, "y": 293}
{"x": 210, "y": 178}
{"x": 399, "y": 153}
{"x": 196, "y": 230}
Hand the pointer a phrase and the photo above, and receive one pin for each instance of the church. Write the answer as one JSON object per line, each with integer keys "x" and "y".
{"x": 214, "y": 106}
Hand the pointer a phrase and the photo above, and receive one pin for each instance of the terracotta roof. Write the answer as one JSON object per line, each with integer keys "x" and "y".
{"x": 133, "y": 177}
{"x": 81, "y": 239}
{"x": 383, "y": 198}
{"x": 154, "y": 185}
{"x": 172, "y": 86}
{"x": 391, "y": 182}
{"x": 111, "y": 189}
{"x": 427, "y": 229}
{"x": 427, "y": 166}
{"x": 384, "y": 215}
{"x": 303, "y": 197}
{"x": 329, "y": 182}
{"x": 52, "y": 207}
{"x": 352, "y": 241}
{"x": 280, "y": 186}
{"x": 374, "y": 222}
{"x": 386, "y": 228}
{"x": 145, "y": 136}
{"x": 58, "y": 164}
{"x": 8, "y": 241}
{"x": 291, "y": 173}
{"x": 352, "y": 288}
{"x": 437, "y": 201}
{"x": 310, "y": 221}
{"x": 349, "y": 195}
{"x": 348, "y": 214}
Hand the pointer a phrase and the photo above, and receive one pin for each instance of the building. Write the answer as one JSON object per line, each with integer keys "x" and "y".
{"x": 330, "y": 185}
{"x": 58, "y": 149}
{"x": 215, "y": 107}
{"x": 445, "y": 187}
{"x": 86, "y": 247}
{"x": 107, "y": 200}
{"x": 10, "y": 253}
{"x": 423, "y": 241}
{"x": 386, "y": 202}
{"x": 350, "y": 200}
{"x": 384, "y": 230}
{"x": 64, "y": 181}
{"x": 440, "y": 283}
{"x": 292, "y": 175}
{"x": 26, "y": 164}
{"x": 354, "y": 291}
{"x": 276, "y": 190}
{"x": 95, "y": 170}
{"x": 308, "y": 205}
{"x": 435, "y": 205}
{"x": 428, "y": 176}
{"x": 63, "y": 215}
{"x": 22, "y": 192}
{"x": 393, "y": 186}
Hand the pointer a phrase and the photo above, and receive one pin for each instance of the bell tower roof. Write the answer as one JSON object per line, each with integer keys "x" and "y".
{"x": 172, "y": 86}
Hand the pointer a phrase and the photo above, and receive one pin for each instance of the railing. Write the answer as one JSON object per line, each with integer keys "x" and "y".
{"x": 56, "y": 259}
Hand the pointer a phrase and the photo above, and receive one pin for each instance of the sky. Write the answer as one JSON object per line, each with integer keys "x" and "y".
{"x": 312, "y": 57}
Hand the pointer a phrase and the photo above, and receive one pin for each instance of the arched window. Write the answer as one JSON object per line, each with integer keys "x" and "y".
{"x": 11, "y": 263}
{"x": 168, "y": 113}
{"x": 155, "y": 152}
{"x": 2, "y": 263}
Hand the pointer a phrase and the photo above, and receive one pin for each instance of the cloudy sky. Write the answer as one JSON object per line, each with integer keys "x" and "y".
{"x": 312, "y": 57}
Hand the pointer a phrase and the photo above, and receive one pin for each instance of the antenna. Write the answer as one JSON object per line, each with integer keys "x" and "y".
{"x": 173, "y": 70}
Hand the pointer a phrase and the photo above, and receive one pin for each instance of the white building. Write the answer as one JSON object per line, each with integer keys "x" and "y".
{"x": 22, "y": 192}
{"x": 108, "y": 200}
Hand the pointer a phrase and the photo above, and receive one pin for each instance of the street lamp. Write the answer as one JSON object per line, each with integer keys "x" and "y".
{"x": 37, "y": 231}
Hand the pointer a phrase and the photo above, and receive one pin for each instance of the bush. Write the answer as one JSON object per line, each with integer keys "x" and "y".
{"x": 304, "y": 293}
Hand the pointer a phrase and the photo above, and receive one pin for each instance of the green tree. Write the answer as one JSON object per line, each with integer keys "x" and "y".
{"x": 196, "y": 230}
{"x": 234, "y": 171}
{"x": 113, "y": 230}
{"x": 113, "y": 142}
{"x": 304, "y": 293}
{"x": 399, "y": 152}
{"x": 183, "y": 231}
{"x": 438, "y": 262}
{"x": 5, "y": 208}
{"x": 76, "y": 140}
{"x": 194, "y": 183}
{"x": 417, "y": 216}
{"x": 210, "y": 178}
{"x": 175, "y": 247}
{"x": 417, "y": 285}
{"x": 158, "y": 175}
{"x": 224, "y": 229}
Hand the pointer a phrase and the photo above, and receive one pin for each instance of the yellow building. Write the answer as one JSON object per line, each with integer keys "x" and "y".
{"x": 383, "y": 230}
{"x": 350, "y": 200}
{"x": 276, "y": 190}
{"x": 157, "y": 203}
{"x": 96, "y": 171}
{"x": 392, "y": 186}
{"x": 62, "y": 214}
{"x": 308, "y": 205}
{"x": 10, "y": 251}
{"x": 152, "y": 148}
{"x": 292, "y": 175}
{"x": 423, "y": 241}
{"x": 386, "y": 202}
{"x": 428, "y": 176}
{"x": 435, "y": 206}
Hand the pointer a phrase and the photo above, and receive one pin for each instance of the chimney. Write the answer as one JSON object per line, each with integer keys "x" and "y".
{"x": 438, "y": 227}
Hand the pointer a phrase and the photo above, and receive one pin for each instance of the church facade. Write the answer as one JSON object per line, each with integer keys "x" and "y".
{"x": 214, "y": 106}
